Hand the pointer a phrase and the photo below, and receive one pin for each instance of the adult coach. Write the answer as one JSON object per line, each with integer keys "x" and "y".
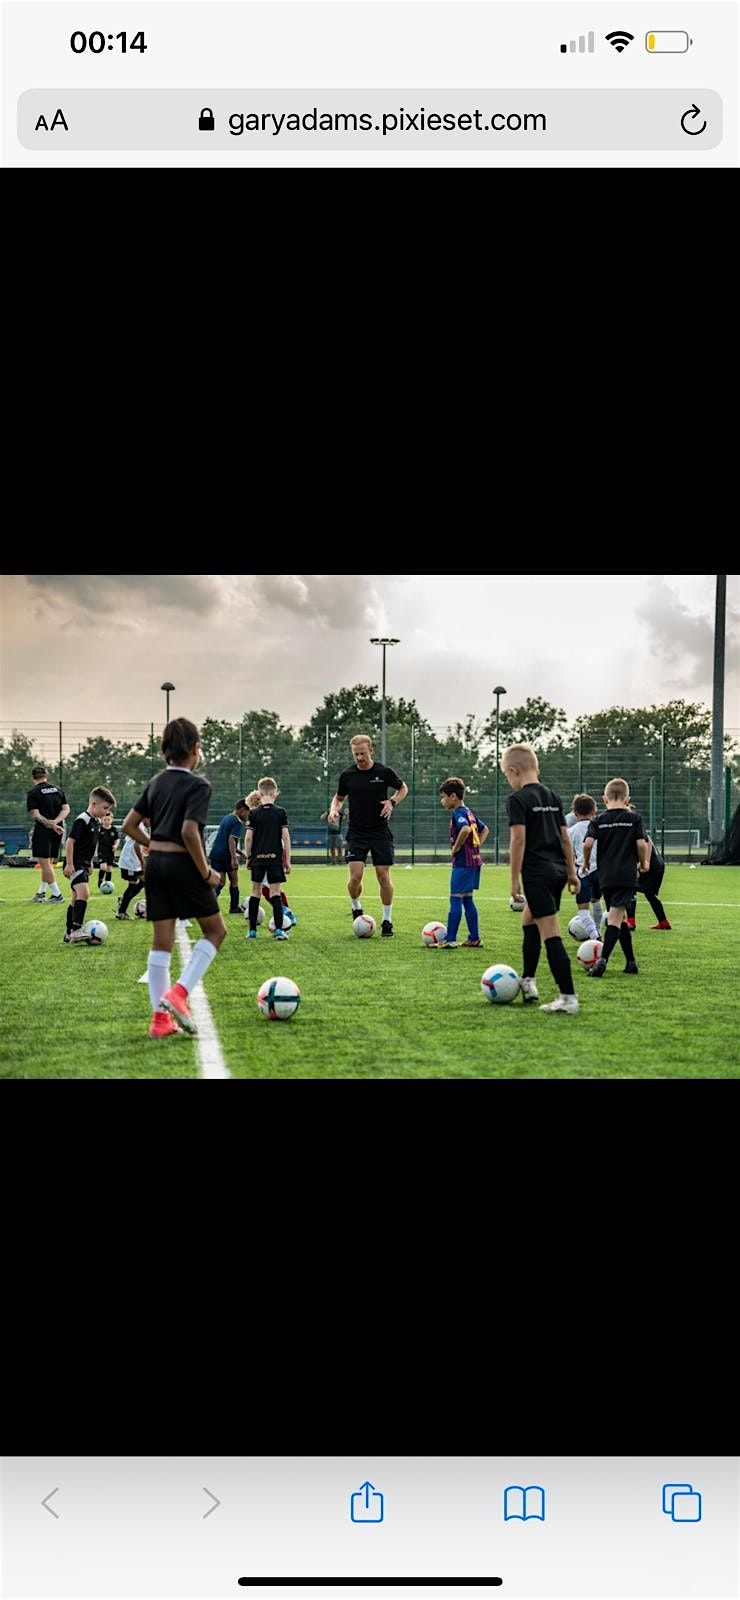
{"x": 48, "y": 806}
{"x": 366, "y": 786}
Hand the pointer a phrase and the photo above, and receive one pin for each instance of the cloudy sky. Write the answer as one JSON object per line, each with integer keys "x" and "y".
{"x": 97, "y": 648}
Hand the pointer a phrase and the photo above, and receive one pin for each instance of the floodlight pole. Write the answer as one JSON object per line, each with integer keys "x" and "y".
{"x": 498, "y": 693}
{"x": 718, "y": 715}
{"x": 168, "y": 688}
{"x": 384, "y": 644}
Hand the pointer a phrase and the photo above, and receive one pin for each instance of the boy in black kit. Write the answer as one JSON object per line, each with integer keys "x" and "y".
{"x": 267, "y": 847}
{"x": 107, "y": 839}
{"x": 81, "y": 846}
{"x": 541, "y": 851}
{"x": 623, "y": 851}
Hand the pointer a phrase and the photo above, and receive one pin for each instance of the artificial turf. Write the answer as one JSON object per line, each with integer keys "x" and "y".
{"x": 377, "y": 1008}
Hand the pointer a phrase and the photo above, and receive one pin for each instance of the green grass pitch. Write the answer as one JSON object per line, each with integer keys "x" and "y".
{"x": 377, "y": 1008}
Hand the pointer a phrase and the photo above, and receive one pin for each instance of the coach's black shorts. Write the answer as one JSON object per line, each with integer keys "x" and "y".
{"x": 542, "y": 892}
{"x": 268, "y": 867}
{"x": 175, "y": 888}
{"x": 45, "y": 843}
{"x": 379, "y": 842}
{"x": 618, "y": 895}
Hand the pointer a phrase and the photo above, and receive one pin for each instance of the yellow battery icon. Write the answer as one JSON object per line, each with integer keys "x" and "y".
{"x": 671, "y": 42}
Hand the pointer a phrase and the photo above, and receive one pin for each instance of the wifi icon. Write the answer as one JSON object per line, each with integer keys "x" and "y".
{"x": 619, "y": 40}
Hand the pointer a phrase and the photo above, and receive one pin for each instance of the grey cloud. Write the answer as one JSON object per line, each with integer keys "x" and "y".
{"x": 341, "y": 600}
{"x": 112, "y": 592}
{"x": 684, "y": 640}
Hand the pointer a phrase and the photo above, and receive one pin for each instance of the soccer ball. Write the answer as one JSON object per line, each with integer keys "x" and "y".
{"x": 245, "y": 909}
{"x": 517, "y": 902}
{"x": 589, "y": 952}
{"x": 272, "y": 925}
{"x": 96, "y": 931}
{"x": 500, "y": 984}
{"x": 140, "y": 908}
{"x": 106, "y": 888}
{"x": 577, "y": 929}
{"x": 363, "y": 926}
{"x": 278, "y": 999}
{"x": 434, "y": 933}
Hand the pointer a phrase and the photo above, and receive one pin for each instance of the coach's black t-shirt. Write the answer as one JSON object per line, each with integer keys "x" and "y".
{"x": 267, "y": 823}
{"x": 366, "y": 792}
{"x": 540, "y": 811}
{"x": 85, "y": 831}
{"x": 171, "y": 798}
{"x": 47, "y": 799}
{"x": 617, "y": 833}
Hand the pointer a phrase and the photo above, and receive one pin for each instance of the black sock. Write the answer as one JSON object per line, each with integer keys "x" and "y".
{"x": 532, "y": 949}
{"x": 234, "y": 897}
{"x": 131, "y": 890}
{"x": 657, "y": 906}
{"x": 559, "y": 960}
{"x": 80, "y": 907}
{"x": 611, "y": 937}
{"x": 101, "y": 876}
{"x": 70, "y": 916}
{"x": 277, "y": 911}
{"x": 254, "y": 905}
{"x": 625, "y": 939}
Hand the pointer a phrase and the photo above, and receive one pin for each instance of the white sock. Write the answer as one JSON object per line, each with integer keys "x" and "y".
{"x": 56, "y": 893}
{"x": 158, "y": 975}
{"x": 199, "y": 963}
{"x": 597, "y": 911}
{"x": 387, "y": 913}
{"x": 593, "y": 932}
{"x": 356, "y": 905}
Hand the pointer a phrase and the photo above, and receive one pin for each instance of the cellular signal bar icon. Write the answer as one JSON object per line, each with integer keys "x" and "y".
{"x": 583, "y": 45}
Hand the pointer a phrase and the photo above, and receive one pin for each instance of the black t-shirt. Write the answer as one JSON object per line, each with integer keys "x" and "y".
{"x": 366, "y": 792}
{"x": 171, "y": 798}
{"x": 267, "y": 823}
{"x": 106, "y": 842}
{"x": 85, "y": 831}
{"x": 540, "y": 811}
{"x": 47, "y": 799}
{"x": 617, "y": 833}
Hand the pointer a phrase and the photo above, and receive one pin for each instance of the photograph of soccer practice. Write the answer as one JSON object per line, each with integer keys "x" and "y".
{"x": 369, "y": 827}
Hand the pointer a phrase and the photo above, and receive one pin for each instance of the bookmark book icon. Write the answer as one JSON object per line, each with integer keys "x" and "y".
{"x": 524, "y": 1503}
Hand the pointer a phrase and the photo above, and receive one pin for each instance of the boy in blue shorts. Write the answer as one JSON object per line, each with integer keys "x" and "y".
{"x": 467, "y": 833}
{"x": 224, "y": 854}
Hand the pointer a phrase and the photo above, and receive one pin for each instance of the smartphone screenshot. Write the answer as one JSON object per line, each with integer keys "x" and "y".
{"x": 382, "y": 1528}
{"x": 370, "y": 83}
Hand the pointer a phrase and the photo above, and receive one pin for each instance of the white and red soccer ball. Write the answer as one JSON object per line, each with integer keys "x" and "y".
{"x": 363, "y": 926}
{"x": 434, "y": 933}
{"x": 589, "y": 953}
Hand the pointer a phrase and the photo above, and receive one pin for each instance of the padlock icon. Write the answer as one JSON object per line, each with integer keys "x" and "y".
{"x": 206, "y": 123}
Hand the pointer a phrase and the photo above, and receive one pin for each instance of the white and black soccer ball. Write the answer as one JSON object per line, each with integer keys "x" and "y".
{"x": 517, "y": 902}
{"x": 140, "y": 908}
{"x": 278, "y": 999}
{"x": 260, "y": 913}
{"x": 433, "y": 933}
{"x": 96, "y": 931}
{"x": 500, "y": 984}
{"x": 578, "y": 929}
{"x": 106, "y": 888}
{"x": 364, "y": 926}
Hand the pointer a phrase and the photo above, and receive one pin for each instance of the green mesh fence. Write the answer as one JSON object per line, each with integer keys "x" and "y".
{"x": 670, "y": 785}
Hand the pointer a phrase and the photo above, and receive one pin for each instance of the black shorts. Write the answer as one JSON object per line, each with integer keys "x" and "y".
{"x": 175, "y": 888}
{"x": 45, "y": 843}
{"x": 105, "y": 861}
{"x": 619, "y": 895}
{"x": 266, "y": 867}
{"x": 650, "y": 882}
{"x": 81, "y": 874}
{"x": 379, "y": 842}
{"x": 131, "y": 877}
{"x": 542, "y": 892}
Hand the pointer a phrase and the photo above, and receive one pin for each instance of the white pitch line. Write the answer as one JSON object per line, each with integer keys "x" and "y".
{"x": 717, "y": 905}
{"x": 210, "y": 1054}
